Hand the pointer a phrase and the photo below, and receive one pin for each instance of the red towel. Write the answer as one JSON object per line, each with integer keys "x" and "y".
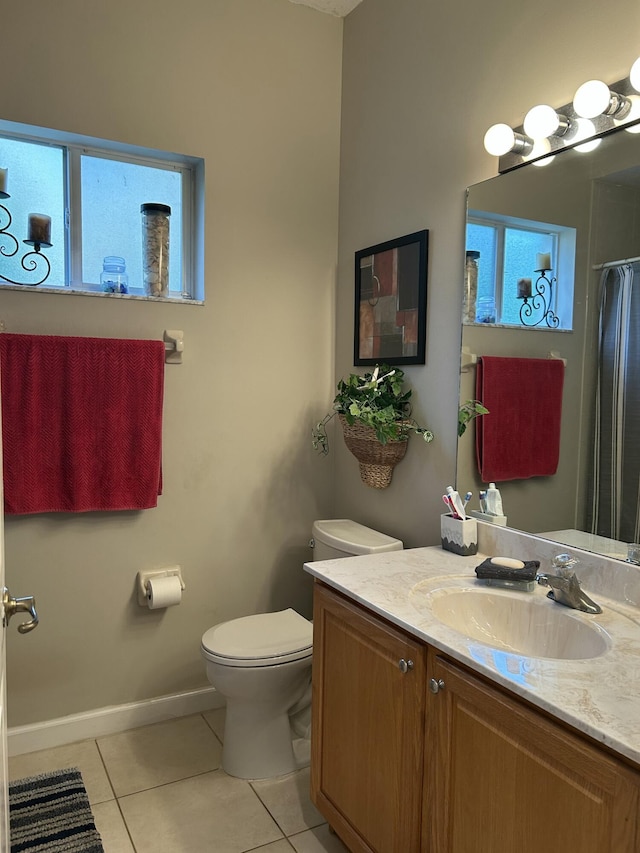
{"x": 520, "y": 437}
{"x": 81, "y": 423}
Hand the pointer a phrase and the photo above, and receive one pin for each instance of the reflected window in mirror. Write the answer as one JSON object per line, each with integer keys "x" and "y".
{"x": 503, "y": 284}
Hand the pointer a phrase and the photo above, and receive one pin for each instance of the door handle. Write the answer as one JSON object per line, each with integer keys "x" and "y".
{"x": 11, "y": 605}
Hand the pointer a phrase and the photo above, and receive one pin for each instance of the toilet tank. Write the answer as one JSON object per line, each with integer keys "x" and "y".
{"x": 341, "y": 537}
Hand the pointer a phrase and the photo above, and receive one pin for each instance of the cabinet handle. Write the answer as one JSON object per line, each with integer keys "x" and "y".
{"x": 436, "y": 685}
{"x": 405, "y": 665}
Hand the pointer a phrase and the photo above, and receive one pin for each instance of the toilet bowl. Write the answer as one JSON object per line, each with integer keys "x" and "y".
{"x": 261, "y": 665}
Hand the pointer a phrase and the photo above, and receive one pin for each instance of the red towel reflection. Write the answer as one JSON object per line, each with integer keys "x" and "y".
{"x": 520, "y": 437}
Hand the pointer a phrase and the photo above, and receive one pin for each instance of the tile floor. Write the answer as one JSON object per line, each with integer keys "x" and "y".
{"x": 161, "y": 789}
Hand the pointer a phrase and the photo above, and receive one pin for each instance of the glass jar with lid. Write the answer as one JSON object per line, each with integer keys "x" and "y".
{"x": 155, "y": 248}
{"x": 114, "y": 278}
{"x": 486, "y": 310}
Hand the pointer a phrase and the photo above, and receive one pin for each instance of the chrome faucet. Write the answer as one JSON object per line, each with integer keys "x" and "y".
{"x": 565, "y": 586}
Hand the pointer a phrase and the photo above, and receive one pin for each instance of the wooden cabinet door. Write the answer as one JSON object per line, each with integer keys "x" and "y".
{"x": 367, "y": 729}
{"x": 504, "y": 778}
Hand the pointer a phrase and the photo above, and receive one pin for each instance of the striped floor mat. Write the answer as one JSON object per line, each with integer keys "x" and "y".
{"x": 51, "y": 813}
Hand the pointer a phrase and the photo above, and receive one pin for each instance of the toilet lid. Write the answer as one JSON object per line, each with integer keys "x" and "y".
{"x": 261, "y": 640}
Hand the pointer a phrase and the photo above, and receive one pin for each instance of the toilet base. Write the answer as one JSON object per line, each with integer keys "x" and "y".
{"x": 257, "y": 745}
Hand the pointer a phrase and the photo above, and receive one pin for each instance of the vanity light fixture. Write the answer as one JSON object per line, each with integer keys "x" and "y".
{"x": 543, "y": 121}
{"x": 634, "y": 75}
{"x": 596, "y": 109}
{"x": 594, "y": 98}
{"x": 501, "y": 139}
{"x": 634, "y": 113}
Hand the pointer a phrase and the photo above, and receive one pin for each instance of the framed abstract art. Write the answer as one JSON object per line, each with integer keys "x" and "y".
{"x": 391, "y": 301}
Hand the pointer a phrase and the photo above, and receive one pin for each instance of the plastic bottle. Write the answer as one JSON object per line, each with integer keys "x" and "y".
{"x": 494, "y": 500}
{"x": 114, "y": 278}
{"x": 456, "y": 503}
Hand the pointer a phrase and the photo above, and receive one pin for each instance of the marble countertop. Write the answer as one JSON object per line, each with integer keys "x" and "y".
{"x": 599, "y": 696}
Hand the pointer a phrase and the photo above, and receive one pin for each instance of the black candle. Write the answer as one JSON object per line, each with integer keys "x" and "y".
{"x": 524, "y": 288}
{"x": 39, "y": 228}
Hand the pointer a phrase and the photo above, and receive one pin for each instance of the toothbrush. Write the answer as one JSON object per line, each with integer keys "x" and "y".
{"x": 450, "y": 506}
{"x": 467, "y": 498}
{"x": 483, "y": 501}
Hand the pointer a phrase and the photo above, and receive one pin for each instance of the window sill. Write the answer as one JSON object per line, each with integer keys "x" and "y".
{"x": 516, "y": 326}
{"x": 69, "y": 291}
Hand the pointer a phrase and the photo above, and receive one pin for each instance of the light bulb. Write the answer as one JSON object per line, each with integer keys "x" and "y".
{"x": 543, "y": 121}
{"x": 592, "y": 99}
{"x": 586, "y": 147}
{"x": 501, "y": 139}
{"x": 595, "y": 98}
{"x": 540, "y": 149}
{"x": 634, "y": 76}
{"x": 584, "y": 129}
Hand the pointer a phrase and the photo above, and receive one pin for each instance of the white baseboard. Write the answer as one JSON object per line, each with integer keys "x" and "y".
{"x": 106, "y": 721}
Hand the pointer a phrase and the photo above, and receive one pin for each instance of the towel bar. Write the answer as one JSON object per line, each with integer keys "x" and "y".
{"x": 470, "y": 359}
{"x": 173, "y": 345}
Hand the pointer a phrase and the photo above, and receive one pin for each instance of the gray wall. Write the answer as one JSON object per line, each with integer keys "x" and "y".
{"x": 253, "y": 86}
{"x": 421, "y": 84}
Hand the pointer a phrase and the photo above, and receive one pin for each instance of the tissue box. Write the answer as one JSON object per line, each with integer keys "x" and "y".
{"x": 460, "y": 537}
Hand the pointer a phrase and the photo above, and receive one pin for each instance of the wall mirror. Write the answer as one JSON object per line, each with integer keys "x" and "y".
{"x": 596, "y": 196}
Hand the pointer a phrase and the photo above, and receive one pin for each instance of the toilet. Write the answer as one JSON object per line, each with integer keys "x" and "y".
{"x": 261, "y": 665}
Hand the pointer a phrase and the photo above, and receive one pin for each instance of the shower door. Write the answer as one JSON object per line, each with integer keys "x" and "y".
{"x": 614, "y": 504}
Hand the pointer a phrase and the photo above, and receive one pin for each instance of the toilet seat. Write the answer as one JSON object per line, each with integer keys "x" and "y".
{"x": 266, "y": 639}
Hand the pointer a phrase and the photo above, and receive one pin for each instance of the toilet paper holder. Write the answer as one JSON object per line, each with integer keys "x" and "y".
{"x": 145, "y": 576}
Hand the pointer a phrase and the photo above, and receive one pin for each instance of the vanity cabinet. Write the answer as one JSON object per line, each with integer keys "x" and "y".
{"x": 413, "y": 753}
{"x": 504, "y": 777}
{"x": 367, "y": 730}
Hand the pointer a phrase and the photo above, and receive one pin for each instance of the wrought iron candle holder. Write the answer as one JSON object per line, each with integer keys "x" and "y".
{"x": 33, "y": 262}
{"x": 536, "y": 307}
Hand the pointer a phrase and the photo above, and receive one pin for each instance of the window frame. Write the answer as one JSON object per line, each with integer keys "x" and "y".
{"x": 562, "y": 258}
{"x": 74, "y": 147}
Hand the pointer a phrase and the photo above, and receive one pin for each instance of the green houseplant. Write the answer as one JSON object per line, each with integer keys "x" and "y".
{"x": 469, "y": 410}
{"x": 375, "y": 414}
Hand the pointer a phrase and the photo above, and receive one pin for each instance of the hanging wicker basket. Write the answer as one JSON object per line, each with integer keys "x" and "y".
{"x": 376, "y": 460}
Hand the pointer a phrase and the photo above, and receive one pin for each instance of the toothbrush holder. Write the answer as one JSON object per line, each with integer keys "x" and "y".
{"x": 460, "y": 537}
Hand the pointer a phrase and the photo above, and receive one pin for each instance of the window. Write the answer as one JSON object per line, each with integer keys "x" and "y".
{"x": 506, "y": 251}
{"x": 92, "y": 191}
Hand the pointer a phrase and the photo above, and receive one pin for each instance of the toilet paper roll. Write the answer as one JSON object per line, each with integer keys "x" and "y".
{"x": 163, "y": 592}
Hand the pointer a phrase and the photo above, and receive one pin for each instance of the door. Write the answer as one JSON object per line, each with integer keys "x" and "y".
{"x": 367, "y": 730}
{"x": 4, "y": 793}
{"x": 506, "y": 778}
{"x": 9, "y": 606}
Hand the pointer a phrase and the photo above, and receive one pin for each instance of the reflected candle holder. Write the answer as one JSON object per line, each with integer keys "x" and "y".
{"x": 536, "y": 306}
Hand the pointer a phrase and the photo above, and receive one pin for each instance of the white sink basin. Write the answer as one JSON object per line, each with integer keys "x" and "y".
{"x": 523, "y": 623}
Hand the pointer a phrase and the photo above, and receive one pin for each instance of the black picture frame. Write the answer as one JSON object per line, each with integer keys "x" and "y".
{"x": 391, "y": 301}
